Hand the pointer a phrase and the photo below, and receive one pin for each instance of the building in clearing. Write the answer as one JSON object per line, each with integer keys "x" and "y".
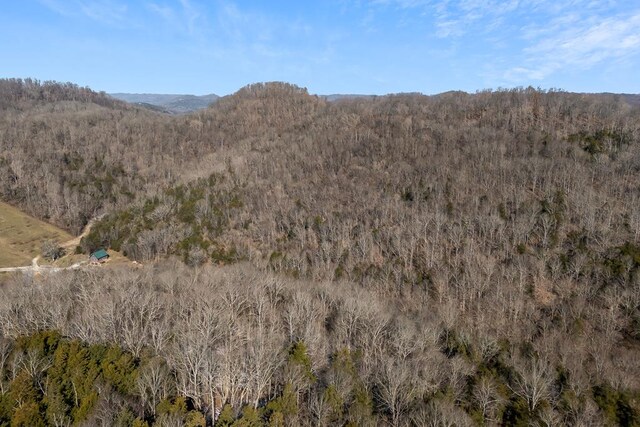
{"x": 99, "y": 256}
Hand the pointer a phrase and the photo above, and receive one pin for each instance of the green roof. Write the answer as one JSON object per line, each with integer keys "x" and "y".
{"x": 99, "y": 254}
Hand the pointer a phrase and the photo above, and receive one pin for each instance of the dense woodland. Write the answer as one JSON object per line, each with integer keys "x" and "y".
{"x": 459, "y": 259}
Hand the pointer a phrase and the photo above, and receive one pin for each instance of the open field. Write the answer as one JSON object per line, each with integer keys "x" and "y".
{"x": 22, "y": 235}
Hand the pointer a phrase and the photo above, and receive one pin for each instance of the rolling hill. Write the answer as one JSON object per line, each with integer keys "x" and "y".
{"x": 459, "y": 259}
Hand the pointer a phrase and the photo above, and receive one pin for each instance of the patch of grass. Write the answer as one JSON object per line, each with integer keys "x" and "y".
{"x": 21, "y": 236}
{"x": 66, "y": 261}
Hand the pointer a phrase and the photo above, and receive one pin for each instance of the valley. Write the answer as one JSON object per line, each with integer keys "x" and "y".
{"x": 403, "y": 260}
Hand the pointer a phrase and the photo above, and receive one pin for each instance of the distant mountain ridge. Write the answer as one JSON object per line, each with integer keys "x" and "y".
{"x": 630, "y": 98}
{"x": 175, "y": 104}
{"x": 185, "y": 103}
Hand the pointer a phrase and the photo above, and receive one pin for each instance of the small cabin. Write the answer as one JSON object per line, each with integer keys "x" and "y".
{"x": 99, "y": 256}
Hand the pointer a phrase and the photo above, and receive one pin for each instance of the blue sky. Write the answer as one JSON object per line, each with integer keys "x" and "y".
{"x": 328, "y": 46}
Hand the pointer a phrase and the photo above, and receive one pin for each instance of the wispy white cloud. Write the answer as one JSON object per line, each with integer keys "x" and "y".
{"x": 164, "y": 11}
{"x": 457, "y": 18}
{"x": 61, "y": 8}
{"x": 191, "y": 14}
{"x": 252, "y": 39}
{"x": 263, "y": 34}
{"x": 404, "y": 4}
{"x": 534, "y": 39}
{"x": 108, "y": 12}
{"x": 582, "y": 44}
{"x": 105, "y": 11}
{"x": 181, "y": 17}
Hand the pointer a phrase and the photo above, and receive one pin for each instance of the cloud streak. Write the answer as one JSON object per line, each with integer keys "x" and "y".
{"x": 107, "y": 12}
{"x": 582, "y": 45}
{"x": 426, "y": 45}
{"x": 185, "y": 17}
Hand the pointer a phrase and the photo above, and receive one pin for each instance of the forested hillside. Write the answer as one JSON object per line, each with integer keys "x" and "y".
{"x": 460, "y": 259}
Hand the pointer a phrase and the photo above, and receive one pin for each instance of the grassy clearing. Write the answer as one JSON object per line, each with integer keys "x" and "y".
{"x": 21, "y": 236}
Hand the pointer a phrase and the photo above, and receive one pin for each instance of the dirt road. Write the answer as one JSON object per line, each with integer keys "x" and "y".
{"x": 70, "y": 244}
{"x": 35, "y": 268}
